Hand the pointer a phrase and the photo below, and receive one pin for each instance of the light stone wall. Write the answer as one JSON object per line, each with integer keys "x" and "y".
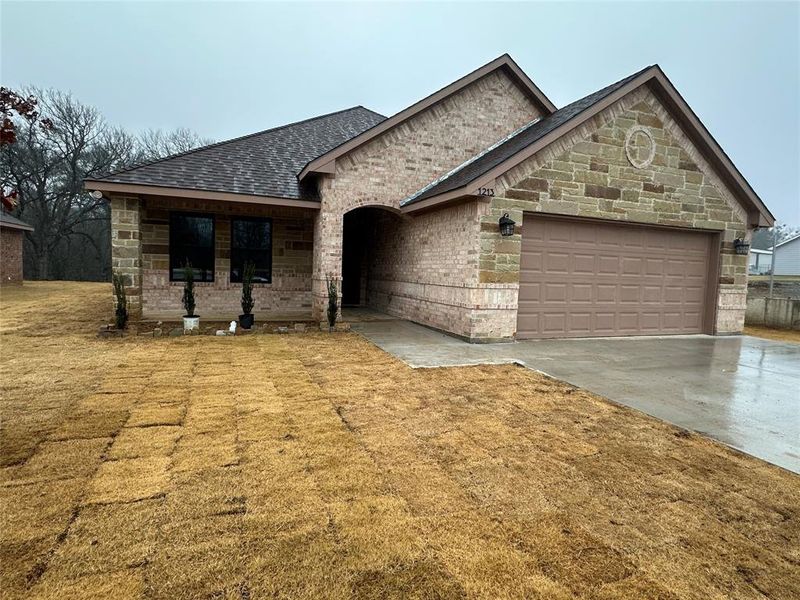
{"x": 126, "y": 248}
{"x": 587, "y": 174}
{"x": 292, "y": 232}
{"x": 397, "y": 164}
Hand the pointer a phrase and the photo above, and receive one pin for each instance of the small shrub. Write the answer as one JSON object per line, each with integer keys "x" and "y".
{"x": 247, "y": 287}
{"x": 188, "y": 289}
{"x": 333, "y": 302}
{"x": 121, "y": 301}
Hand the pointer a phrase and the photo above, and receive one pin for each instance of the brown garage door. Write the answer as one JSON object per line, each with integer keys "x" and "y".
{"x": 595, "y": 278}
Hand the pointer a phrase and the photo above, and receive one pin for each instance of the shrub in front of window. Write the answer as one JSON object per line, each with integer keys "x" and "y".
{"x": 246, "y": 319}
{"x": 188, "y": 290}
{"x": 121, "y": 301}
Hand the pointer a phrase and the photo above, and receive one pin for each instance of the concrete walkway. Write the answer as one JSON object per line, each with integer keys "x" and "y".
{"x": 742, "y": 391}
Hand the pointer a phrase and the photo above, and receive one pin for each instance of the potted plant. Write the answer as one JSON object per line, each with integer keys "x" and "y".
{"x": 246, "y": 319}
{"x": 190, "y": 320}
{"x": 121, "y": 301}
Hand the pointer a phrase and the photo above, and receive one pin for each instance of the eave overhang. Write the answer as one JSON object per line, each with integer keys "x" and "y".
{"x": 174, "y": 192}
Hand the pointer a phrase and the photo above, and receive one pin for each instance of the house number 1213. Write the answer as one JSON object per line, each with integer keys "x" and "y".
{"x": 485, "y": 191}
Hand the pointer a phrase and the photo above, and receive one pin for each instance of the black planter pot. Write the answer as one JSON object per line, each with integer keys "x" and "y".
{"x": 246, "y": 321}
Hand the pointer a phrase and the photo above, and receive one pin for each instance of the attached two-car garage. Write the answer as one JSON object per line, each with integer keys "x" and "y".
{"x": 591, "y": 278}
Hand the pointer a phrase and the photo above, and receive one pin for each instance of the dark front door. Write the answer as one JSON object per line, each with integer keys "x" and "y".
{"x": 352, "y": 257}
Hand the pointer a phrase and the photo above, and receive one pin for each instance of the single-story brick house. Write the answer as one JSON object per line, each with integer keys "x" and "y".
{"x": 626, "y": 214}
{"x": 12, "y": 231}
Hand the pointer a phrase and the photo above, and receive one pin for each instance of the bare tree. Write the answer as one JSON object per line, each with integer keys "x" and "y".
{"x": 46, "y": 166}
{"x": 156, "y": 143}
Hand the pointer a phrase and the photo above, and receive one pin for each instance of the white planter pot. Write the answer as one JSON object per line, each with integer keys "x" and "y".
{"x": 190, "y": 323}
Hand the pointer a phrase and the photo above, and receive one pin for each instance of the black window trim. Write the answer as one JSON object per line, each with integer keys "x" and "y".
{"x": 203, "y": 215}
{"x": 269, "y": 252}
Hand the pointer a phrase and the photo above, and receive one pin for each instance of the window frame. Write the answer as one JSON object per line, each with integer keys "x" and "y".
{"x": 267, "y": 250}
{"x": 201, "y": 215}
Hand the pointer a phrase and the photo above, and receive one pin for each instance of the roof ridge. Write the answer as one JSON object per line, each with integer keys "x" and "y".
{"x": 229, "y": 141}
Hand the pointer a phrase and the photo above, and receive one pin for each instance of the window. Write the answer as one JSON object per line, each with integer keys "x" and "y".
{"x": 191, "y": 239}
{"x": 251, "y": 241}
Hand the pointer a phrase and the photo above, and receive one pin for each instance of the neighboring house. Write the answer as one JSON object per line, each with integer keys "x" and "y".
{"x": 787, "y": 257}
{"x": 626, "y": 213}
{"x": 11, "y": 233}
{"x": 760, "y": 261}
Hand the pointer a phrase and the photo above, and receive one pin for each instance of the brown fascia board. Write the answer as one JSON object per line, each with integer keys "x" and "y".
{"x": 320, "y": 164}
{"x": 156, "y": 190}
{"x": 6, "y": 225}
{"x": 758, "y": 213}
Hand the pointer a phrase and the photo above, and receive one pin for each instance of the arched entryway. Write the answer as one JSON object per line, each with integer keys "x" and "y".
{"x": 369, "y": 234}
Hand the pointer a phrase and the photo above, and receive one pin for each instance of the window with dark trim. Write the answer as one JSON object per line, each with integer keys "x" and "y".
{"x": 191, "y": 239}
{"x": 251, "y": 241}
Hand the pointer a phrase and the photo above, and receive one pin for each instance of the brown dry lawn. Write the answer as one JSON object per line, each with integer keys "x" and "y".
{"x": 317, "y": 466}
{"x": 780, "y": 335}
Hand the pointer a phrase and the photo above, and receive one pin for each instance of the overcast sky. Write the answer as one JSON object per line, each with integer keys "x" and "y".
{"x": 225, "y": 69}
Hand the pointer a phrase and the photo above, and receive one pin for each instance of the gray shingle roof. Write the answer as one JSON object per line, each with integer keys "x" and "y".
{"x": 8, "y": 220}
{"x": 260, "y": 164}
{"x": 518, "y": 141}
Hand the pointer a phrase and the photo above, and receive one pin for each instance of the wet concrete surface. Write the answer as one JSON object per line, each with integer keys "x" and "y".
{"x": 740, "y": 390}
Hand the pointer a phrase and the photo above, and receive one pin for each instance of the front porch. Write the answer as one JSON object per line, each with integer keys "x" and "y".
{"x": 153, "y": 237}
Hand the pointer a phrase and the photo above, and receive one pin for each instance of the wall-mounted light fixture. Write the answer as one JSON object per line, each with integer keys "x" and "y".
{"x": 506, "y": 225}
{"x": 741, "y": 246}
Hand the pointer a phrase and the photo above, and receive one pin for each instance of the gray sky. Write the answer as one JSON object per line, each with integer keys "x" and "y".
{"x": 227, "y": 69}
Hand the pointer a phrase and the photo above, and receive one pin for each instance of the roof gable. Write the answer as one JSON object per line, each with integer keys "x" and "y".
{"x": 322, "y": 163}
{"x": 516, "y": 142}
{"x": 489, "y": 165}
{"x": 260, "y": 164}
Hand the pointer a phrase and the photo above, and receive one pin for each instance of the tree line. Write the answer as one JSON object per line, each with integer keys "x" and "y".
{"x": 51, "y": 142}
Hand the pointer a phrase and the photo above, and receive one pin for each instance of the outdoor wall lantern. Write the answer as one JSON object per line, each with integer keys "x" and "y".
{"x": 741, "y": 246}
{"x": 506, "y": 225}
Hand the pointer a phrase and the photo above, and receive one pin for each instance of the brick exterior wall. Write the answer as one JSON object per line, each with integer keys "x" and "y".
{"x": 292, "y": 233}
{"x": 588, "y": 174}
{"x": 426, "y": 268}
{"x": 399, "y": 163}
{"x": 10, "y": 256}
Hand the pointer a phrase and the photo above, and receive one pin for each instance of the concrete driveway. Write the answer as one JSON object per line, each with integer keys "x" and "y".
{"x": 742, "y": 391}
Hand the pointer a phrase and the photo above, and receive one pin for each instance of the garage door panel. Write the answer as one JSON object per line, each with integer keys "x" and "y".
{"x": 607, "y": 265}
{"x": 557, "y": 262}
{"x": 582, "y": 278}
{"x": 583, "y": 263}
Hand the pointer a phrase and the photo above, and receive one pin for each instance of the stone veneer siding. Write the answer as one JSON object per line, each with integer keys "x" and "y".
{"x": 140, "y": 236}
{"x": 126, "y": 248}
{"x": 586, "y": 173}
{"x": 397, "y": 164}
{"x": 10, "y": 256}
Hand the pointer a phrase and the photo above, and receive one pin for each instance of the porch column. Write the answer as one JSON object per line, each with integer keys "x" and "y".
{"x": 327, "y": 263}
{"x": 126, "y": 248}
